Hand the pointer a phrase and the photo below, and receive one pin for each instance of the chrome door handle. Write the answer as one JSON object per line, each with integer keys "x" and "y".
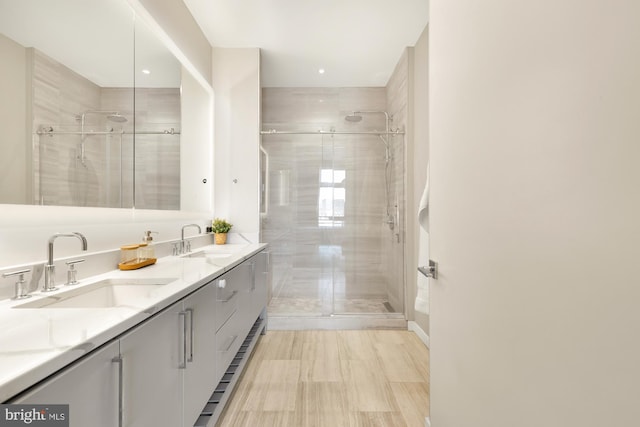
{"x": 431, "y": 270}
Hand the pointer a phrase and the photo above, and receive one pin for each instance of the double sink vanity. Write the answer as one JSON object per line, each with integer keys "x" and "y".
{"x": 159, "y": 346}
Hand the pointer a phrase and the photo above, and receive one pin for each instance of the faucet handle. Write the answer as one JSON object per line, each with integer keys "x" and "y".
{"x": 72, "y": 274}
{"x": 20, "y": 288}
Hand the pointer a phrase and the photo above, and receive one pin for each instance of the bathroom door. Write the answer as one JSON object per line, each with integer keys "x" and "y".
{"x": 534, "y": 213}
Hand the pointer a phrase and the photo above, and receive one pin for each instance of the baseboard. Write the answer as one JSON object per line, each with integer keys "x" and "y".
{"x": 414, "y": 327}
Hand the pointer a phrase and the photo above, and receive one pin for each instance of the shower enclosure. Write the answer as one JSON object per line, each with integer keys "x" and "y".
{"x": 84, "y": 164}
{"x": 332, "y": 212}
{"x": 103, "y": 162}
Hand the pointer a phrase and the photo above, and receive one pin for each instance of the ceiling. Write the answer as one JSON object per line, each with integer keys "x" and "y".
{"x": 357, "y": 42}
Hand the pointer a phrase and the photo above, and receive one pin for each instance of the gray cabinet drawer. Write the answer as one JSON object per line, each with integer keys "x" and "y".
{"x": 229, "y": 289}
{"x": 226, "y": 303}
{"x": 228, "y": 341}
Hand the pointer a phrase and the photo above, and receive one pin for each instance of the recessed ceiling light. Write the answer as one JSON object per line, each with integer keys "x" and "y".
{"x": 145, "y": 71}
{"x": 321, "y": 71}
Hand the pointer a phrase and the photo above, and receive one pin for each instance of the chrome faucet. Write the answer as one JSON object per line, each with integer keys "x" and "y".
{"x": 49, "y": 268}
{"x": 186, "y": 246}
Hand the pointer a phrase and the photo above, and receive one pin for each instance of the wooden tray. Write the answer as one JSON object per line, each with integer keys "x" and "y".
{"x": 137, "y": 263}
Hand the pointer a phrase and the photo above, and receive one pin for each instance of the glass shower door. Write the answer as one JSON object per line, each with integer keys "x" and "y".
{"x": 301, "y": 279}
{"x": 366, "y": 262}
{"x": 327, "y": 222}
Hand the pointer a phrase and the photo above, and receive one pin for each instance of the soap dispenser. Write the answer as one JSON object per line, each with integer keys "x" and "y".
{"x": 146, "y": 250}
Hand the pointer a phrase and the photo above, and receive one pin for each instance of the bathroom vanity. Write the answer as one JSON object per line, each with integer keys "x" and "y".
{"x": 161, "y": 346}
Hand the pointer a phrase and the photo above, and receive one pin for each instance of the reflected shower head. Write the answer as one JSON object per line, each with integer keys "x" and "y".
{"x": 353, "y": 118}
{"x": 112, "y": 116}
{"x": 117, "y": 117}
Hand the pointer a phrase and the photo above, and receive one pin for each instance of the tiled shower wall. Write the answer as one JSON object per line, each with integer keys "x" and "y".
{"x": 340, "y": 264}
{"x": 104, "y": 177}
{"x": 58, "y": 95}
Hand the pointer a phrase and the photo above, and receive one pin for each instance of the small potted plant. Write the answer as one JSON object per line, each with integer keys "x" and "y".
{"x": 220, "y": 227}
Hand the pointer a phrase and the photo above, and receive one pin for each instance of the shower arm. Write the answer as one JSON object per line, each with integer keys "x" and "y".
{"x": 106, "y": 113}
{"x": 386, "y": 115}
{"x": 82, "y": 133}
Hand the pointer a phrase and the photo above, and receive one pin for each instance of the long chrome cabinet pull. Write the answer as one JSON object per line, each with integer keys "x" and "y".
{"x": 120, "y": 363}
{"x": 183, "y": 319}
{"x": 253, "y": 276}
{"x": 191, "y": 334}
{"x": 233, "y": 294}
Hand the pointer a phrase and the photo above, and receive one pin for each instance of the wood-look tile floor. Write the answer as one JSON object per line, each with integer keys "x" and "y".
{"x": 333, "y": 379}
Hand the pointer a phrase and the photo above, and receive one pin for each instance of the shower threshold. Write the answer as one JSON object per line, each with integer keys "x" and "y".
{"x": 357, "y": 321}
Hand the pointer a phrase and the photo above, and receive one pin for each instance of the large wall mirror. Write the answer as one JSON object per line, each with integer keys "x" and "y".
{"x": 92, "y": 107}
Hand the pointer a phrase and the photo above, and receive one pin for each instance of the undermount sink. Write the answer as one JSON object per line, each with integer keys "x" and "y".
{"x": 103, "y": 294}
{"x": 207, "y": 254}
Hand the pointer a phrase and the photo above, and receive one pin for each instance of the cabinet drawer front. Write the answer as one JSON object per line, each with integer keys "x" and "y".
{"x": 226, "y": 305}
{"x": 90, "y": 388}
{"x": 228, "y": 341}
{"x": 230, "y": 286}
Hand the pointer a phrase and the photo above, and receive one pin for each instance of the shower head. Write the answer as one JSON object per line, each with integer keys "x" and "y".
{"x": 356, "y": 116}
{"x": 117, "y": 118}
{"x": 112, "y": 116}
{"x": 353, "y": 118}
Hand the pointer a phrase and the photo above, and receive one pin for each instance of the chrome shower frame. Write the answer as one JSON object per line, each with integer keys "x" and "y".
{"x": 391, "y": 218}
{"x": 81, "y": 117}
{"x": 392, "y": 212}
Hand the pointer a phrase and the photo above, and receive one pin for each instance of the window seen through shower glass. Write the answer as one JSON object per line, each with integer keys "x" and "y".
{"x": 331, "y": 198}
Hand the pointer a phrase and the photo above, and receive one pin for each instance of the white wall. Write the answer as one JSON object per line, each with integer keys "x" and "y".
{"x": 535, "y": 213}
{"x": 13, "y": 138}
{"x": 236, "y": 82}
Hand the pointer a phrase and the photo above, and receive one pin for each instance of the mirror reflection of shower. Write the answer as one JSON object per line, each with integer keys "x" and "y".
{"x": 112, "y": 116}
{"x": 391, "y": 217}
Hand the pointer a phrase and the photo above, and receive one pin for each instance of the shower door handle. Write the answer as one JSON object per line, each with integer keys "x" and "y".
{"x": 431, "y": 270}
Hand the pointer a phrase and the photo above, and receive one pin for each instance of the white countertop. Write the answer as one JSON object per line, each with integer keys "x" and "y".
{"x": 37, "y": 342}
